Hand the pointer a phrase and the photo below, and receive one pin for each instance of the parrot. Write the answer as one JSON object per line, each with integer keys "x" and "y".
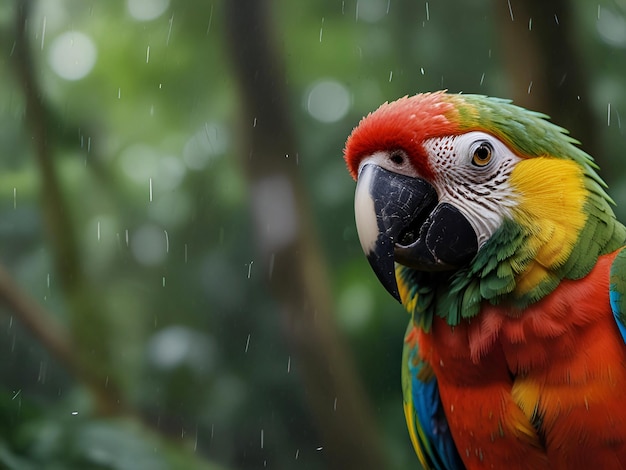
{"x": 492, "y": 227}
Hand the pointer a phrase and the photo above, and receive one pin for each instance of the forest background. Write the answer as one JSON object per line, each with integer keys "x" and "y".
{"x": 181, "y": 282}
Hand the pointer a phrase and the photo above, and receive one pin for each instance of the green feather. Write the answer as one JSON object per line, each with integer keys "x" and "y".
{"x": 491, "y": 276}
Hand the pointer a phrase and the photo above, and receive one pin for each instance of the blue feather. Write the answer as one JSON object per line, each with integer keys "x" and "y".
{"x": 432, "y": 430}
{"x": 617, "y": 289}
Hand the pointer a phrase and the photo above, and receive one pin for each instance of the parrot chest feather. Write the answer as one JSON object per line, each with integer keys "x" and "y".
{"x": 543, "y": 384}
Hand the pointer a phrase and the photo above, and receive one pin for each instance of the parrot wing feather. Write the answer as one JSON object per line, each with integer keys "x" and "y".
{"x": 427, "y": 423}
{"x": 617, "y": 291}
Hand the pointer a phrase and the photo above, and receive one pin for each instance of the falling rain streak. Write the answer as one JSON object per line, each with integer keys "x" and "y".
{"x": 321, "y": 29}
{"x": 247, "y": 343}
{"x": 608, "y": 115}
{"x": 208, "y": 28}
{"x": 169, "y": 31}
{"x": 43, "y": 31}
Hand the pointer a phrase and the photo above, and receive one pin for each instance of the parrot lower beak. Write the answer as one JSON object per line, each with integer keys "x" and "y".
{"x": 398, "y": 219}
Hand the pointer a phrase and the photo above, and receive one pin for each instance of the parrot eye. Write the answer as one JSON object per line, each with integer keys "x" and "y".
{"x": 482, "y": 154}
{"x": 397, "y": 158}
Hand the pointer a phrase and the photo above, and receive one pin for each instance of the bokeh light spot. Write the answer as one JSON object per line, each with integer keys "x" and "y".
{"x": 149, "y": 245}
{"x": 146, "y": 10}
{"x": 72, "y": 55}
{"x": 328, "y": 101}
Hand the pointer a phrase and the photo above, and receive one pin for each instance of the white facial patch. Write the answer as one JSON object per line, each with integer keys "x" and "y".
{"x": 480, "y": 190}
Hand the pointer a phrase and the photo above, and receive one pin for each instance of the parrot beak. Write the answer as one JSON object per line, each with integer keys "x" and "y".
{"x": 399, "y": 219}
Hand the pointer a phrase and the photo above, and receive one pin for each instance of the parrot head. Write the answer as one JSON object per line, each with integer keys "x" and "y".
{"x": 488, "y": 196}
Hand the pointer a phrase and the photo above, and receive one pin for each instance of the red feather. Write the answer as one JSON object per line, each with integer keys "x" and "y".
{"x": 542, "y": 389}
{"x": 403, "y": 125}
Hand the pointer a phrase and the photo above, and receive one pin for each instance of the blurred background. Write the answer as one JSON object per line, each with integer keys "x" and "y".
{"x": 181, "y": 283}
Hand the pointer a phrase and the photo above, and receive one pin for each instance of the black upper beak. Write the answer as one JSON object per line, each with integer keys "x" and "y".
{"x": 399, "y": 219}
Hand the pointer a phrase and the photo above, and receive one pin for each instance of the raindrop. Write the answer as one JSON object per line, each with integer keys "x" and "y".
{"x": 262, "y": 436}
{"x": 608, "y": 115}
{"x": 297, "y": 453}
{"x": 250, "y": 269}
{"x": 147, "y": 54}
{"x": 43, "y": 368}
{"x": 319, "y": 448}
{"x": 208, "y": 28}
{"x": 321, "y": 29}
{"x": 43, "y": 31}
{"x": 169, "y": 32}
{"x": 150, "y": 190}
{"x": 530, "y": 86}
{"x": 510, "y": 10}
{"x": 74, "y": 413}
{"x": 14, "y": 198}
{"x": 427, "y": 12}
{"x": 289, "y": 364}
{"x": 247, "y": 343}
{"x": 390, "y": 75}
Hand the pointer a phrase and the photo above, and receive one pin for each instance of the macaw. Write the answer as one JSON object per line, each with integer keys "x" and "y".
{"x": 493, "y": 229}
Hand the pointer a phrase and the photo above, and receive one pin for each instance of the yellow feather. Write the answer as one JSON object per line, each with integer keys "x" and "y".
{"x": 409, "y": 414}
{"x": 552, "y": 195}
{"x": 408, "y": 301}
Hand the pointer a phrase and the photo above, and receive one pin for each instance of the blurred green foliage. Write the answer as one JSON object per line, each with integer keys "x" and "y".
{"x": 144, "y": 145}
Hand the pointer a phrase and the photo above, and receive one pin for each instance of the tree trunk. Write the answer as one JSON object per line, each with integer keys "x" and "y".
{"x": 288, "y": 246}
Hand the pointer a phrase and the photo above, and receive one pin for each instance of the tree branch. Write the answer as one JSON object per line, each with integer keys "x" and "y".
{"x": 89, "y": 358}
